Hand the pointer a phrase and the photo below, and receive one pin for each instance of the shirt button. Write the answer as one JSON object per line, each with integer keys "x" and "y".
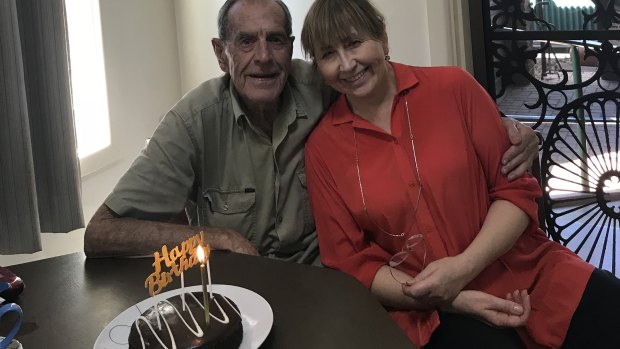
{"x": 279, "y": 219}
{"x": 395, "y": 141}
{"x": 412, "y": 184}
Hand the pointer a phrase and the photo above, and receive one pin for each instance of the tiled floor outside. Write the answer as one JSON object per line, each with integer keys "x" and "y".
{"x": 516, "y": 97}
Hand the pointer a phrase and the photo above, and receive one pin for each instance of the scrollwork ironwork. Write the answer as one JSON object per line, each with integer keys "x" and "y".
{"x": 580, "y": 170}
{"x": 517, "y": 38}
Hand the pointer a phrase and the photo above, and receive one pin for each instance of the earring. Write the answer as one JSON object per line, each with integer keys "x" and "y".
{"x": 387, "y": 57}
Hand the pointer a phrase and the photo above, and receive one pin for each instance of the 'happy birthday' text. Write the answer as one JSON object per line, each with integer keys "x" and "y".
{"x": 176, "y": 260}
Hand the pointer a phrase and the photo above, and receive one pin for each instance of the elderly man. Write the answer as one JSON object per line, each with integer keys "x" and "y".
{"x": 230, "y": 152}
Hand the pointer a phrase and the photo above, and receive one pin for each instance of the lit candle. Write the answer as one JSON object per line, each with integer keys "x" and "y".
{"x": 205, "y": 300}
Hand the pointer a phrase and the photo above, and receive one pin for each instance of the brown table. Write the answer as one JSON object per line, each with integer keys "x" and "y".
{"x": 68, "y": 300}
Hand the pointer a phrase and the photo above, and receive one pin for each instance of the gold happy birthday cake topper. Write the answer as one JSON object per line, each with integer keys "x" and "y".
{"x": 176, "y": 261}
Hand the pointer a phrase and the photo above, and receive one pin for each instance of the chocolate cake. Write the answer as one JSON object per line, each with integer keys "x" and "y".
{"x": 225, "y": 330}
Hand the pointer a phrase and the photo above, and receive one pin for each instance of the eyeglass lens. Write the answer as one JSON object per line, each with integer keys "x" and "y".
{"x": 413, "y": 244}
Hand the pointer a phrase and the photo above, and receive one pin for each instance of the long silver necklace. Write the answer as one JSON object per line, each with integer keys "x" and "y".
{"x": 417, "y": 172}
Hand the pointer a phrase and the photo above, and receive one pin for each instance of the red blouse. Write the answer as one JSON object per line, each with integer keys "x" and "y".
{"x": 459, "y": 141}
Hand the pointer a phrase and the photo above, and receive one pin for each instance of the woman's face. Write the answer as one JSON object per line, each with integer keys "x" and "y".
{"x": 355, "y": 67}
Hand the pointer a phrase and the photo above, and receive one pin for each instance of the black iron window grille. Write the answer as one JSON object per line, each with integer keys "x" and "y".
{"x": 557, "y": 69}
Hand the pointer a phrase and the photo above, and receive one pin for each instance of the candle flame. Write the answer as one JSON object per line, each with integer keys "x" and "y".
{"x": 201, "y": 254}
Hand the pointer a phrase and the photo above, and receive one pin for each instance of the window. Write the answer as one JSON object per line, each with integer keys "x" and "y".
{"x": 90, "y": 102}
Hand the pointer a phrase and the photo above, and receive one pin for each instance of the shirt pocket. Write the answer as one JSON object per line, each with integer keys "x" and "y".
{"x": 232, "y": 209}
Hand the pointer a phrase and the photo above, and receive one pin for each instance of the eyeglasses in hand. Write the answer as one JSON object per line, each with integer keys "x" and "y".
{"x": 414, "y": 247}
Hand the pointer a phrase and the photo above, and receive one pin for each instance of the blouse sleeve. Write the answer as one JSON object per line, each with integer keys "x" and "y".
{"x": 343, "y": 244}
{"x": 490, "y": 141}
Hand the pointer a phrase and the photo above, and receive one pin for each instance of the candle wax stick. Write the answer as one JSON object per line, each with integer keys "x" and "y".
{"x": 183, "y": 290}
{"x": 209, "y": 276}
{"x": 205, "y": 299}
{"x": 157, "y": 314}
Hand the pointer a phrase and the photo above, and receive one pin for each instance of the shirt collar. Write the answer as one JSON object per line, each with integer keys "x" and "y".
{"x": 236, "y": 103}
{"x": 406, "y": 79}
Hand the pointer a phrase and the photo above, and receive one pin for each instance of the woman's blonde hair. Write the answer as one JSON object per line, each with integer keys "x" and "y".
{"x": 330, "y": 22}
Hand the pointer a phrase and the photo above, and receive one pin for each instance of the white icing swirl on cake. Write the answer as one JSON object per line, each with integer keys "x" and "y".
{"x": 198, "y": 332}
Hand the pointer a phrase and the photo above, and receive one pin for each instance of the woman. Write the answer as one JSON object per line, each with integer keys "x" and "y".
{"x": 406, "y": 164}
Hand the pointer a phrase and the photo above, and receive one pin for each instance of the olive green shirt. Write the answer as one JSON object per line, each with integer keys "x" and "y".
{"x": 206, "y": 156}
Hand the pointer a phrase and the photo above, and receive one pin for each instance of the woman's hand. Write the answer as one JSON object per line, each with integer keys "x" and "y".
{"x": 510, "y": 312}
{"x": 439, "y": 282}
{"x": 442, "y": 279}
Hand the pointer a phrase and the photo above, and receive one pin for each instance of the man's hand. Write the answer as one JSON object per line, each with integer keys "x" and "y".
{"x": 519, "y": 157}
{"x": 230, "y": 240}
{"x": 510, "y": 312}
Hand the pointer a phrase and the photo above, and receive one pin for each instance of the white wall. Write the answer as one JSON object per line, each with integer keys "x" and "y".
{"x": 194, "y": 33}
{"x": 427, "y": 32}
{"x": 156, "y": 50}
{"x": 407, "y": 28}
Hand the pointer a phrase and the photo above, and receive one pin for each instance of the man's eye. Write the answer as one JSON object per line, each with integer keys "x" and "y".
{"x": 247, "y": 42}
{"x": 277, "y": 40}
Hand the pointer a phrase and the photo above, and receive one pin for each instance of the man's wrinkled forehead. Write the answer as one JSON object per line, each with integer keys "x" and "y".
{"x": 256, "y": 18}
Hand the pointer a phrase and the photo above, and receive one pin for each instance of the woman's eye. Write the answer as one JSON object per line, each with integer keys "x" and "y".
{"x": 354, "y": 43}
{"x": 327, "y": 54}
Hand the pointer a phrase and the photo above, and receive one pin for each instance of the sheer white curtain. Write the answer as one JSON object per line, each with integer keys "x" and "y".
{"x": 39, "y": 168}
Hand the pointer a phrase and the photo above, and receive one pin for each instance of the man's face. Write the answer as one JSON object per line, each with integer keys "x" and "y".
{"x": 257, "y": 52}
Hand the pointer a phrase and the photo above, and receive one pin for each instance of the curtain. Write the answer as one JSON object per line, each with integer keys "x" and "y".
{"x": 40, "y": 189}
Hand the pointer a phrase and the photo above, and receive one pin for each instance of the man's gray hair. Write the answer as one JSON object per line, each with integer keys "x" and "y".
{"x": 222, "y": 19}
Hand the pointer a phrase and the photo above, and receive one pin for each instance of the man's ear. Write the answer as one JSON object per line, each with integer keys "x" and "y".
{"x": 291, "y": 41}
{"x": 218, "y": 49}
